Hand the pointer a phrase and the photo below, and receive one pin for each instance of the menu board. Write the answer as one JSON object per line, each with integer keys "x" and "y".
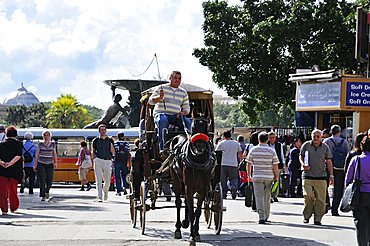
{"x": 318, "y": 96}
{"x": 358, "y": 94}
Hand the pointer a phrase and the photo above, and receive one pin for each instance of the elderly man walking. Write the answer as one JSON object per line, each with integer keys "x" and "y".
{"x": 315, "y": 157}
{"x": 265, "y": 162}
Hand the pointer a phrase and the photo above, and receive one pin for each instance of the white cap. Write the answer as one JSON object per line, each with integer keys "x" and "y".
{"x": 28, "y": 135}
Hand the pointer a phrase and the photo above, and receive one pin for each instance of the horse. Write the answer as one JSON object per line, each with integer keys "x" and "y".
{"x": 193, "y": 162}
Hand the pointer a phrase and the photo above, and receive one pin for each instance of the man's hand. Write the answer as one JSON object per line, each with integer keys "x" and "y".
{"x": 331, "y": 179}
{"x": 306, "y": 168}
{"x": 161, "y": 94}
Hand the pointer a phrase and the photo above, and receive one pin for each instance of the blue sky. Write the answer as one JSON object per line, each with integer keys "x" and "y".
{"x": 55, "y": 46}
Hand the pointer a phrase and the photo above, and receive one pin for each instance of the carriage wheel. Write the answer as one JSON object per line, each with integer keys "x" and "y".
{"x": 143, "y": 206}
{"x": 218, "y": 207}
{"x": 133, "y": 204}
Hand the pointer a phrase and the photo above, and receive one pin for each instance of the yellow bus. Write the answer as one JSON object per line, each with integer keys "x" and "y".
{"x": 68, "y": 147}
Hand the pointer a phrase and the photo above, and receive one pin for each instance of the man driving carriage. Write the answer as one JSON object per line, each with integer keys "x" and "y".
{"x": 171, "y": 106}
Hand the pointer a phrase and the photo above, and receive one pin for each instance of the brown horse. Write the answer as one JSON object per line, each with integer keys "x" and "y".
{"x": 191, "y": 172}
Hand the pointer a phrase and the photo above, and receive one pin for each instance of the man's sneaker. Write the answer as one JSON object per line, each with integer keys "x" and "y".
{"x": 334, "y": 213}
{"x": 306, "y": 221}
{"x": 118, "y": 194}
{"x": 105, "y": 195}
{"x": 233, "y": 193}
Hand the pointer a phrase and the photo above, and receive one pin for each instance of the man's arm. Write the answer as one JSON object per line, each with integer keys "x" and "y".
{"x": 276, "y": 172}
{"x": 329, "y": 166}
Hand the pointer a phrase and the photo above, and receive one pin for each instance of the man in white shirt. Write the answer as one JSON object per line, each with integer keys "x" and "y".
{"x": 229, "y": 165}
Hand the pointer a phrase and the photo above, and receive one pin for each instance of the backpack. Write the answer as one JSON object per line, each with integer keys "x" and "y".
{"x": 122, "y": 151}
{"x": 27, "y": 157}
{"x": 339, "y": 154}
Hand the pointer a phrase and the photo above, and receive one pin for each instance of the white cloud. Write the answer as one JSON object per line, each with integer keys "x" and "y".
{"x": 57, "y": 46}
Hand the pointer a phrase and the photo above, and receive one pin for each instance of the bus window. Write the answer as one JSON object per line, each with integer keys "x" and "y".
{"x": 68, "y": 147}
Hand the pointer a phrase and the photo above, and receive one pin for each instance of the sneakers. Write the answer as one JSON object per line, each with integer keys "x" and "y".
{"x": 275, "y": 199}
{"x": 233, "y": 193}
{"x": 88, "y": 187}
{"x": 306, "y": 221}
{"x": 105, "y": 195}
{"x": 118, "y": 194}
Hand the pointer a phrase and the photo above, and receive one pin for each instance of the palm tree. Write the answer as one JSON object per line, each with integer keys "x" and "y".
{"x": 67, "y": 112}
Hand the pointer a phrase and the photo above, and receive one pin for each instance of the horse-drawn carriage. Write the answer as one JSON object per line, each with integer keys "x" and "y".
{"x": 189, "y": 162}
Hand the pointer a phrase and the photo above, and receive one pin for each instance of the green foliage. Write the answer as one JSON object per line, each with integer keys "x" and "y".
{"x": 27, "y": 116}
{"x": 95, "y": 112}
{"x": 229, "y": 115}
{"x": 66, "y": 112}
{"x": 252, "y": 49}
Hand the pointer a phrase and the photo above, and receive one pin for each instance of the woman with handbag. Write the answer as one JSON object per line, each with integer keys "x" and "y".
{"x": 361, "y": 213}
{"x": 85, "y": 163}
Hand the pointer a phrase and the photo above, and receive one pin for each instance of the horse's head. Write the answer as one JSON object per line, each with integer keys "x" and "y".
{"x": 200, "y": 125}
{"x": 199, "y": 143}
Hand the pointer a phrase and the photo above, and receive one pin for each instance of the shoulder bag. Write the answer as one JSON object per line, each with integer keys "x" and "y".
{"x": 351, "y": 196}
{"x": 86, "y": 163}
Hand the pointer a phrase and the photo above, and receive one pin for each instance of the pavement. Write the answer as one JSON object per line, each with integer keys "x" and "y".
{"x": 74, "y": 217}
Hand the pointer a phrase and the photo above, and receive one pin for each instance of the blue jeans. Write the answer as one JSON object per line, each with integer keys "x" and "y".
{"x": 162, "y": 121}
{"x": 120, "y": 171}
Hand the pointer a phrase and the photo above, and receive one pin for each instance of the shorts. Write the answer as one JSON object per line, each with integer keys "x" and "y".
{"x": 82, "y": 173}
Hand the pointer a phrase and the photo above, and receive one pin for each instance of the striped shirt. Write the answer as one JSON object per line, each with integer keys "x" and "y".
{"x": 46, "y": 155}
{"x": 262, "y": 157}
{"x": 175, "y": 100}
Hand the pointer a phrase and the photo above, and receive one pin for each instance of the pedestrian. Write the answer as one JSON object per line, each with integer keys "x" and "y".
{"x": 2, "y": 133}
{"x": 264, "y": 161}
{"x": 103, "y": 151}
{"x": 295, "y": 172}
{"x": 171, "y": 106}
{"x": 11, "y": 170}
{"x": 361, "y": 214}
{"x": 121, "y": 159}
{"x": 45, "y": 163}
{"x": 28, "y": 153}
{"x": 229, "y": 164}
{"x": 278, "y": 147}
{"x": 339, "y": 148}
{"x": 315, "y": 157}
{"x": 356, "y": 150}
{"x": 84, "y": 163}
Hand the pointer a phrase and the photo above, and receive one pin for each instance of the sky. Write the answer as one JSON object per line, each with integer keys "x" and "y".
{"x": 55, "y": 46}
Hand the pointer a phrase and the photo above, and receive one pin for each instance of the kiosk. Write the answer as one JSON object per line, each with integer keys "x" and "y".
{"x": 325, "y": 98}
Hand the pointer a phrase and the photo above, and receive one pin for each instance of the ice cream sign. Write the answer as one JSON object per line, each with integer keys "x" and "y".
{"x": 358, "y": 94}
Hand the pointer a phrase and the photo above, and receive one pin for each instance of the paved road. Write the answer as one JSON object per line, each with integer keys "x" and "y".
{"x": 74, "y": 218}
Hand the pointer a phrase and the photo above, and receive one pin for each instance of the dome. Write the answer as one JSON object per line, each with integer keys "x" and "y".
{"x": 21, "y": 97}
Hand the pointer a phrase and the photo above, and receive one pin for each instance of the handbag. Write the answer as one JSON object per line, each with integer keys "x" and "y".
{"x": 248, "y": 195}
{"x": 86, "y": 163}
{"x": 351, "y": 196}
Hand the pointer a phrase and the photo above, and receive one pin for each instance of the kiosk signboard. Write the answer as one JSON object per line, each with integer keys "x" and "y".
{"x": 358, "y": 94}
{"x": 318, "y": 96}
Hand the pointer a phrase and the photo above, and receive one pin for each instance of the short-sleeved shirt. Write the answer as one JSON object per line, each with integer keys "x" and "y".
{"x": 31, "y": 148}
{"x": 316, "y": 160}
{"x": 231, "y": 149}
{"x": 102, "y": 148}
{"x": 46, "y": 154}
{"x": 8, "y": 150}
{"x": 263, "y": 158}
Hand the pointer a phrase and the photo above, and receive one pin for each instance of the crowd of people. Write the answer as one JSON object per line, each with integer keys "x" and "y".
{"x": 313, "y": 165}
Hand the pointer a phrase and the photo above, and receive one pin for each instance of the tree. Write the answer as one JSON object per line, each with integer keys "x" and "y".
{"x": 27, "y": 116}
{"x": 66, "y": 112}
{"x": 251, "y": 49}
{"x": 95, "y": 112}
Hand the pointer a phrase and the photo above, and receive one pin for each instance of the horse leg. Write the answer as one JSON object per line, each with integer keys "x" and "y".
{"x": 198, "y": 212}
{"x": 185, "y": 222}
{"x": 189, "y": 199}
{"x": 178, "y": 223}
